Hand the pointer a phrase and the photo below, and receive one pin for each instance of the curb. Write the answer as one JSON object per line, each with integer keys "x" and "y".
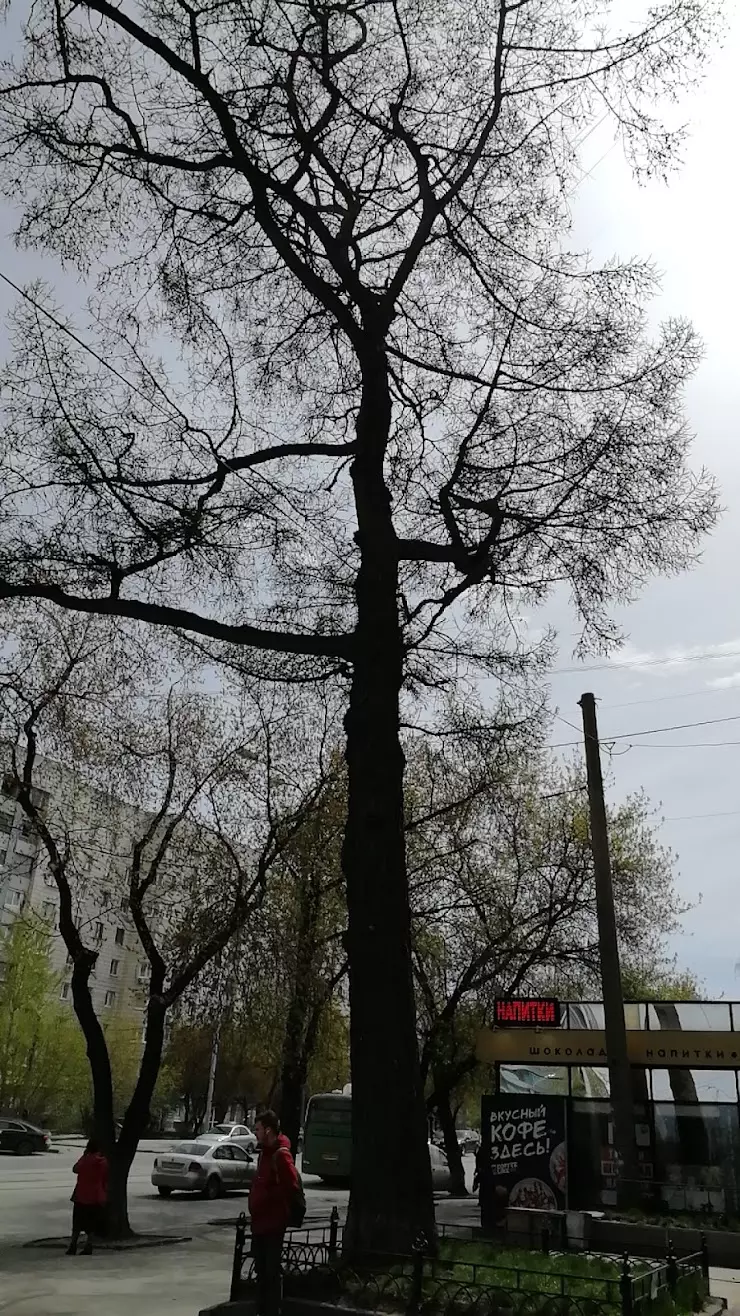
{"x": 310, "y": 1222}
{"x": 122, "y": 1245}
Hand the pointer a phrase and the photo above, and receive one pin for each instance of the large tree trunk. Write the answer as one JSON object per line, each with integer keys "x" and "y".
{"x": 117, "y": 1223}
{"x": 446, "y": 1117}
{"x": 121, "y": 1153}
{"x": 116, "y": 1213}
{"x": 294, "y": 1059}
{"x": 391, "y": 1198}
{"x": 292, "y": 1083}
{"x": 297, "y": 1054}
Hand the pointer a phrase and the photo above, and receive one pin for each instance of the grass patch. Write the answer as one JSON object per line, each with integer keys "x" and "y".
{"x": 668, "y": 1219}
{"x": 481, "y": 1277}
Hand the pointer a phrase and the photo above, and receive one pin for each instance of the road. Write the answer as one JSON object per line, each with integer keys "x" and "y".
{"x": 35, "y": 1192}
{"x": 178, "y": 1281}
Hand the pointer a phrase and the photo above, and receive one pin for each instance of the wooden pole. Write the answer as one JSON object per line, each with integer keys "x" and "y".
{"x": 620, "y": 1077}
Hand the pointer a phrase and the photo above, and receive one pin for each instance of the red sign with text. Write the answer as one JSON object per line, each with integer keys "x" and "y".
{"x": 527, "y": 1012}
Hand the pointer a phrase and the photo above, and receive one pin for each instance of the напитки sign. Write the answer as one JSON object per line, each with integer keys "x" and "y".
{"x": 526, "y": 1012}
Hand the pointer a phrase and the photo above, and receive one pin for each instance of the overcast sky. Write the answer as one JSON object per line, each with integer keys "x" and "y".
{"x": 689, "y": 229}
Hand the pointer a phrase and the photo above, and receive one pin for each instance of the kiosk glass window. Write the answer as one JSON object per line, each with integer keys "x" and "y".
{"x": 697, "y": 1156}
{"x": 685, "y": 1086}
{"x": 690, "y": 1016}
{"x": 585, "y": 1014}
{"x": 590, "y": 1014}
{"x": 544, "y": 1079}
{"x": 590, "y": 1081}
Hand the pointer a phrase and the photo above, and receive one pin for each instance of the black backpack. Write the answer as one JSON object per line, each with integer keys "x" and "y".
{"x": 297, "y": 1204}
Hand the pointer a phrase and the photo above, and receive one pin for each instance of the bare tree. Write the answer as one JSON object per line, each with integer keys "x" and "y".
{"x": 394, "y": 403}
{"x": 144, "y": 800}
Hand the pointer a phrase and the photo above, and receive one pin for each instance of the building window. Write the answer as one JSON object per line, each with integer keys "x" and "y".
{"x": 114, "y": 965}
{"x": 119, "y": 936}
{"x": 124, "y": 904}
{"x": 11, "y": 790}
{"x": 9, "y": 787}
{"x": 6, "y": 822}
{"x": 14, "y": 900}
{"x": 48, "y": 909}
{"x": 110, "y": 999}
{"x": 64, "y": 993}
{"x": 98, "y": 933}
{"x": 70, "y": 961}
{"x": 145, "y": 971}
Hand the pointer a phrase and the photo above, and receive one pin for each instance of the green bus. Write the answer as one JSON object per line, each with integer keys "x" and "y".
{"x": 327, "y": 1137}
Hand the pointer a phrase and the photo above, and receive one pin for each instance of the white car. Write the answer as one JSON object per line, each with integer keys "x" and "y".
{"x": 468, "y": 1141}
{"x": 210, "y": 1168}
{"x": 236, "y": 1132}
{"x": 441, "y": 1178}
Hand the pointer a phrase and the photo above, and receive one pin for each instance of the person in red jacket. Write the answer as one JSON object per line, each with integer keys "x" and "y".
{"x": 269, "y": 1207}
{"x": 89, "y": 1197}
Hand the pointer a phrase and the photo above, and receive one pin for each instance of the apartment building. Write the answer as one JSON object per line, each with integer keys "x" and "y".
{"x": 103, "y": 831}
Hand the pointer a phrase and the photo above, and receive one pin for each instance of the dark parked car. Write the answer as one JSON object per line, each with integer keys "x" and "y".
{"x": 17, "y": 1135}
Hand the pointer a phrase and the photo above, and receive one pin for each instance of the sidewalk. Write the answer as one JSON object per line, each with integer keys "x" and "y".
{"x": 172, "y": 1281}
{"x": 726, "y": 1284}
{"x": 175, "y": 1281}
{"x": 74, "y": 1141}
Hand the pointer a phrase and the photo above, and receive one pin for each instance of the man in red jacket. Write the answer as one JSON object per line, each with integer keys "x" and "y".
{"x": 269, "y": 1207}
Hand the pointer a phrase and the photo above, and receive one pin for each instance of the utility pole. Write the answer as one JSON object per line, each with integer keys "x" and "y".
{"x": 212, "y": 1075}
{"x": 224, "y": 1002}
{"x": 620, "y": 1077}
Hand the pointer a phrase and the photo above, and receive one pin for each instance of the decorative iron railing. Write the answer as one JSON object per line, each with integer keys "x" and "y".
{"x": 444, "y": 1283}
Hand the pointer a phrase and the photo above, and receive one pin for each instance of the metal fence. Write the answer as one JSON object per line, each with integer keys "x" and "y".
{"x": 442, "y": 1285}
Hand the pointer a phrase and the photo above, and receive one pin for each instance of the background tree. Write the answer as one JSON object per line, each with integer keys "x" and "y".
{"x": 283, "y": 1019}
{"x": 43, "y": 1073}
{"x": 309, "y": 915}
{"x": 395, "y": 403}
{"x": 506, "y": 904}
{"x": 185, "y": 810}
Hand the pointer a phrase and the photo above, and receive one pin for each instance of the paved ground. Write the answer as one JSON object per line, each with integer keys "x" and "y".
{"x": 726, "y": 1284}
{"x": 35, "y": 1192}
{"x": 34, "y": 1203}
{"x": 172, "y": 1281}
{"x": 177, "y": 1281}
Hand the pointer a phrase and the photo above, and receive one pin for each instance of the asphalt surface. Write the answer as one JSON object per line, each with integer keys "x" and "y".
{"x": 164, "y": 1281}
{"x": 35, "y": 1193}
{"x": 168, "y": 1281}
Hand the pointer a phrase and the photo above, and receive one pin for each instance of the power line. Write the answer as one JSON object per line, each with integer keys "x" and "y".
{"x": 685, "y": 694}
{"x": 691, "y": 817}
{"x": 659, "y": 731}
{"x": 152, "y": 402}
{"x": 644, "y": 662}
{"x": 689, "y": 744}
{"x": 679, "y": 726}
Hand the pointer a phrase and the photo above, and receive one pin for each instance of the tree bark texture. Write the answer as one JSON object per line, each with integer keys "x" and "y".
{"x": 453, "y": 1151}
{"x": 296, "y": 1053}
{"x": 391, "y": 1198}
{"x": 120, "y": 1153}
